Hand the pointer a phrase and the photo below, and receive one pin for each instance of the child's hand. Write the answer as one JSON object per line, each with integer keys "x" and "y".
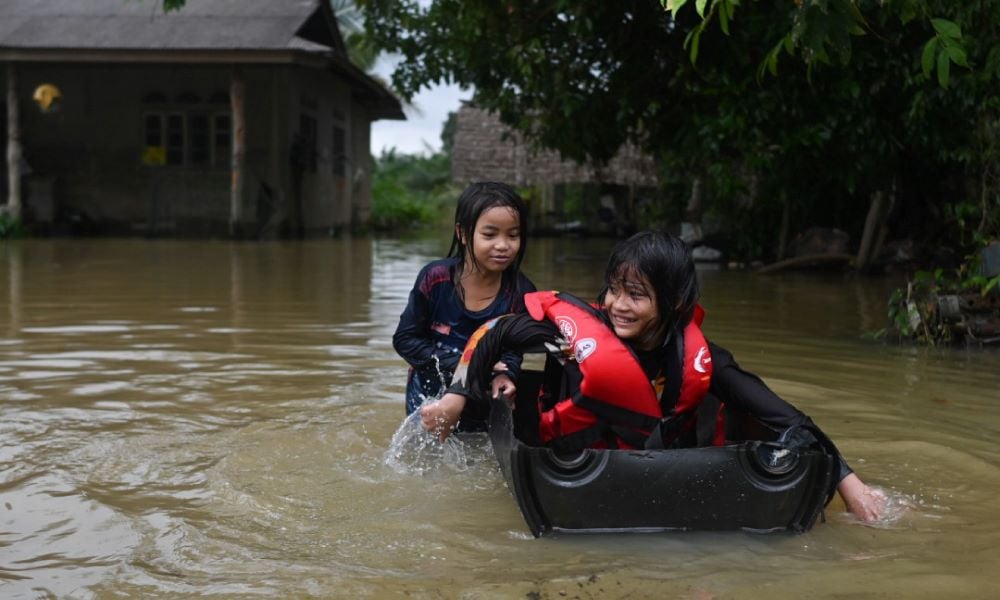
{"x": 503, "y": 385}
{"x": 864, "y": 502}
{"x": 441, "y": 416}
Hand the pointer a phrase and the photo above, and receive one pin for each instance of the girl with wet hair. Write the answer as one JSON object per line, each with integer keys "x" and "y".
{"x": 636, "y": 369}
{"x": 478, "y": 280}
{"x": 673, "y": 280}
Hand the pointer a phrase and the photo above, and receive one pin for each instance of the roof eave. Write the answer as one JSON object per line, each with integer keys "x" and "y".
{"x": 175, "y": 55}
{"x": 386, "y": 105}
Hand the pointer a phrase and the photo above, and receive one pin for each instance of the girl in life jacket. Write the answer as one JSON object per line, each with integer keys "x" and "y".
{"x": 640, "y": 372}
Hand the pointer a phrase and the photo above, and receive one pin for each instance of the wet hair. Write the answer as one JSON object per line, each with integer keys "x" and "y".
{"x": 665, "y": 260}
{"x": 474, "y": 201}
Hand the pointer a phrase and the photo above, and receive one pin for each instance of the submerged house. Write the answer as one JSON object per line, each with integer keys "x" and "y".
{"x": 241, "y": 117}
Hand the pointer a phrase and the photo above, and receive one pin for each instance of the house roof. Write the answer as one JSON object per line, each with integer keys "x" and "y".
{"x": 205, "y": 31}
{"x": 142, "y": 24}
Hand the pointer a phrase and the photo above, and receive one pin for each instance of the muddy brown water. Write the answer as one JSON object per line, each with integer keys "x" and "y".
{"x": 188, "y": 419}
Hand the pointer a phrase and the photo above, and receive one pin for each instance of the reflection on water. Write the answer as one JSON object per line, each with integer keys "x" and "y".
{"x": 190, "y": 418}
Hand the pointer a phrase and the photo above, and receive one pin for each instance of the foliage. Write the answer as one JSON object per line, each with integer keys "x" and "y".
{"x": 10, "y": 227}
{"x": 360, "y": 47}
{"x": 448, "y": 132}
{"x": 412, "y": 191}
{"x": 585, "y": 76}
{"x": 920, "y": 311}
{"x": 821, "y": 30}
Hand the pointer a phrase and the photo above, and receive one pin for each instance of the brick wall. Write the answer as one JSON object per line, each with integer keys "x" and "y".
{"x": 482, "y": 152}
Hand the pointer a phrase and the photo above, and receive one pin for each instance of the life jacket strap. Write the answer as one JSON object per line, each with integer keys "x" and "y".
{"x": 670, "y": 431}
{"x": 615, "y": 414}
{"x": 578, "y": 440}
{"x": 635, "y": 439}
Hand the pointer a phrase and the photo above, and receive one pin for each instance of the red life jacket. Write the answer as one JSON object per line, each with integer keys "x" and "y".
{"x": 611, "y": 402}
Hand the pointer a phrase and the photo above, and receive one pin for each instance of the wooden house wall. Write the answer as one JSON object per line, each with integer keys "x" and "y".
{"x": 91, "y": 150}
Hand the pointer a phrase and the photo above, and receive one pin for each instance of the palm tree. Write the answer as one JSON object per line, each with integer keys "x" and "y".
{"x": 360, "y": 48}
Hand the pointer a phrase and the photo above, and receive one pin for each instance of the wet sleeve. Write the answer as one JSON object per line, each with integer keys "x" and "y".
{"x": 517, "y": 333}
{"x": 746, "y": 392}
{"x": 412, "y": 339}
{"x": 510, "y": 358}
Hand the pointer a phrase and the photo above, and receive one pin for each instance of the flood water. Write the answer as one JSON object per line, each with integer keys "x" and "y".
{"x": 189, "y": 419}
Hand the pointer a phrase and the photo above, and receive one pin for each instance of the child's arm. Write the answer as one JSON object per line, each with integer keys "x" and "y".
{"x": 412, "y": 340}
{"x": 466, "y": 396}
{"x": 441, "y": 416}
{"x": 747, "y": 392}
{"x": 864, "y": 502}
{"x": 511, "y": 359}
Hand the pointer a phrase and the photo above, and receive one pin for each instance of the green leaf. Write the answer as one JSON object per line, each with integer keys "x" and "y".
{"x": 723, "y": 19}
{"x": 956, "y": 54}
{"x": 730, "y": 8}
{"x": 927, "y": 58}
{"x": 770, "y": 62}
{"x": 699, "y": 6}
{"x": 673, "y": 5}
{"x": 907, "y": 12}
{"x": 694, "y": 37}
{"x": 990, "y": 285}
{"x": 694, "y": 45}
{"x": 943, "y": 69}
{"x": 947, "y": 28}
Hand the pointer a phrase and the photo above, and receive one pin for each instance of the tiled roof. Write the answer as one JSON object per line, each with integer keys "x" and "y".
{"x": 142, "y": 24}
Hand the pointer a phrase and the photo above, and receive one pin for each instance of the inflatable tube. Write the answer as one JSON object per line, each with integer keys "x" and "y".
{"x": 759, "y": 486}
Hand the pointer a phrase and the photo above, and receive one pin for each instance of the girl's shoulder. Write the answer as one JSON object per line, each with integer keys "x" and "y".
{"x": 513, "y": 294}
{"x": 435, "y": 273}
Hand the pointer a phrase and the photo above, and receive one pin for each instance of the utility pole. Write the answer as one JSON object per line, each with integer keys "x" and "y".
{"x": 13, "y": 146}
{"x": 237, "y": 93}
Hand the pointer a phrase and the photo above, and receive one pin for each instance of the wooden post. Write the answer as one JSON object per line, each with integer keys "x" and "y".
{"x": 692, "y": 213}
{"x": 786, "y": 223}
{"x": 237, "y": 90}
{"x": 13, "y": 146}
{"x": 873, "y": 223}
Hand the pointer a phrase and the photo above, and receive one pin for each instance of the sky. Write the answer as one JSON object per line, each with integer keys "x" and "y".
{"x": 420, "y": 133}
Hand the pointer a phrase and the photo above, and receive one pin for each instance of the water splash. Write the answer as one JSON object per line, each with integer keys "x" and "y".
{"x": 897, "y": 505}
{"x": 414, "y": 450}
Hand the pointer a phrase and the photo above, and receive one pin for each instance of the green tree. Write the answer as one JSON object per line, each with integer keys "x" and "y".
{"x": 585, "y": 76}
{"x": 410, "y": 191}
{"x": 821, "y": 30}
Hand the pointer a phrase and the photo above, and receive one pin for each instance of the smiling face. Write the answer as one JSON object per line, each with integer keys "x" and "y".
{"x": 496, "y": 240}
{"x": 631, "y": 304}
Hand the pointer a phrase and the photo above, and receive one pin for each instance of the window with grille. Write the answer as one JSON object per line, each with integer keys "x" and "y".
{"x": 187, "y": 133}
